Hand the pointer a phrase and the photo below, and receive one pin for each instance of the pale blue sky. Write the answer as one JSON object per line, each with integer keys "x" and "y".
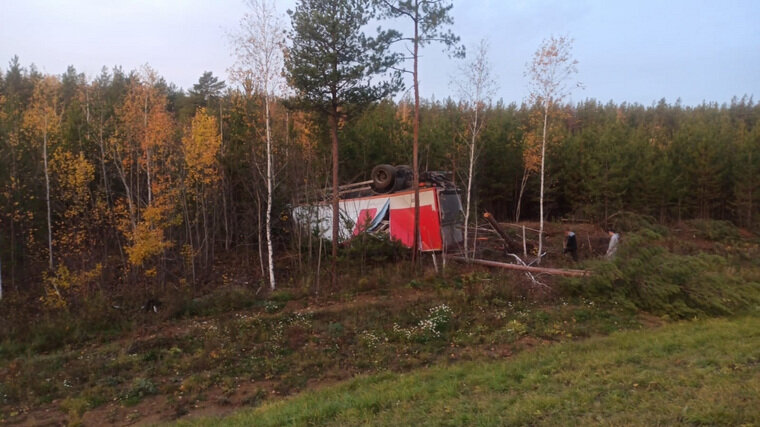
{"x": 634, "y": 51}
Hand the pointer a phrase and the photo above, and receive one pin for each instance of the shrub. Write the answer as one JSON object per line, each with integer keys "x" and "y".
{"x": 632, "y": 222}
{"x": 140, "y": 388}
{"x": 646, "y": 276}
{"x": 719, "y": 231}
{"x": 373, "y": 250}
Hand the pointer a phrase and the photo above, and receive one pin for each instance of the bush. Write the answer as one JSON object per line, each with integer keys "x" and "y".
{"x": 373, "y": 250}
{"x": 719, "y": 231}
{"x": 141, "y": 387}
{"x": 645, "y": 276}
{"x": 632, "y": 222}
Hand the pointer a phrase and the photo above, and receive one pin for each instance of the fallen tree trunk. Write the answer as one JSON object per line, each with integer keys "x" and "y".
{"x": 553, "y": 271}
{"x": 512, "y": 245}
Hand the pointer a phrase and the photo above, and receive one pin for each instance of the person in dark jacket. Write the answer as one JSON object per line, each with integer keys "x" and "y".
{"x": 571, "y": 245}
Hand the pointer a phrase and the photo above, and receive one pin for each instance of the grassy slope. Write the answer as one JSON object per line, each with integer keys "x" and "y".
{"x": 700, "y": 372}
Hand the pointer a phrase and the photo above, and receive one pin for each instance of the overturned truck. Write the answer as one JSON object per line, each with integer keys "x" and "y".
{"x": 385, "y": 205}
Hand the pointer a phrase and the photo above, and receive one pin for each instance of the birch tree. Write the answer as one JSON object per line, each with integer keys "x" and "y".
{"x": 43, "y": 120}
{"x": 201, "y": 147}
{"x": 550, "y": 73}
{"x": 259, "y": 49}
{"x": 476, "y": 86}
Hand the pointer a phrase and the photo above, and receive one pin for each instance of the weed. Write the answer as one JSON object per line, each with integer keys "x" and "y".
{"x": 369, "y": 340}
{"x": 273, "y": 306}
{"x": 336, "y": 329}
{"x": 75, "y": 408}
{"x": 140, "y": 388}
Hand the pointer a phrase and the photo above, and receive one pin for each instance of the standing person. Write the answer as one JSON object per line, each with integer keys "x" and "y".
{"x": 571, "y": 245}
{"x": 614, "y": 240}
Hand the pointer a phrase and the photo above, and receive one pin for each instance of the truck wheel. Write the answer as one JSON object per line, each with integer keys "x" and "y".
{"x": 383, "y": 177}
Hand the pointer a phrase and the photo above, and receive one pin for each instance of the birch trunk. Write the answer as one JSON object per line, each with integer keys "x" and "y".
{"x": 523, "y": 182}
{"x": 541, "y": 196}
{"x": 335, "y": 198}
{"x": 147, "y": 151}
{"x": 47, "y": 195}
{"x": 258, "y": 232}
{"x": 469, "y": 184}
{"x": 189, "y": 234}
{"x": 127, "y": 189}
{"x": 270, "y": 179}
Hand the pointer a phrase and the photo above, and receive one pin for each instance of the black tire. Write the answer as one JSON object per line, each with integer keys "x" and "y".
{"x": 383, "y": 177}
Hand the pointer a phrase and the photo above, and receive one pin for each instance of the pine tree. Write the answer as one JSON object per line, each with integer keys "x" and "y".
{"x": 333, "y": 67}
{"x": 430, "y": 19}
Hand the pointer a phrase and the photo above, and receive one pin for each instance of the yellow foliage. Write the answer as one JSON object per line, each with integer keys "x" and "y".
{"x": 148, "y": 237}
{"x": 146, "y": 243}
{"x": 201, "y": 147}
{"x": 64, "y": 284}
{"x": 145, "y": 125}
{"x": 534, "y": 133}
{"x": 74, "y": 175}
{"x": 54, "y": 285}
{"x": 42, "y": 116}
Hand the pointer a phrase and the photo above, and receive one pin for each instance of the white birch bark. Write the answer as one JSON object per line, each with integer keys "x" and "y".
{"x": 47, "y": 193}
{"x": 541, "y": 195}
{"x": 270, "y": 184}
{"x": 549, "y": 71}
{"x": 474, "y": 136}
{"x": 147, "y": 151}
{"x": 259, "y": 50}
{"x": 475, "y": 86}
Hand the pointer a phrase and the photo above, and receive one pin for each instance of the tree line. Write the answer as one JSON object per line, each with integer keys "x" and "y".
{"x": 126, "y": 183}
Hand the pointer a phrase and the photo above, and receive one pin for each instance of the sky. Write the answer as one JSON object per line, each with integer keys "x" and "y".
{"x": 627, "y": 51}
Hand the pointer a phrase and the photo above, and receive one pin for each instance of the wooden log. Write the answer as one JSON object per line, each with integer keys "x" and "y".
{"x": 552, "y": 271}
{"x": 512, "y": 245}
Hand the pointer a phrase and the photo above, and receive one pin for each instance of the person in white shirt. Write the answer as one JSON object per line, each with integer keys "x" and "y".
{"x": 614, "y": 240}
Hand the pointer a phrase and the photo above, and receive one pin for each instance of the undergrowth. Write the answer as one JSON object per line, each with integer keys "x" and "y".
{"x": 382, "y": 318}
{"x": 646, "y": 276}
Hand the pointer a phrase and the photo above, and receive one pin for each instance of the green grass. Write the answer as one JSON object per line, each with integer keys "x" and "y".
{"x": 698, "y": 372}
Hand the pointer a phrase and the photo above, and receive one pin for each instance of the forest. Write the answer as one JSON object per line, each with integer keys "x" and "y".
{"x": 150, "y": 185}
{"x": 151, "y": 267}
